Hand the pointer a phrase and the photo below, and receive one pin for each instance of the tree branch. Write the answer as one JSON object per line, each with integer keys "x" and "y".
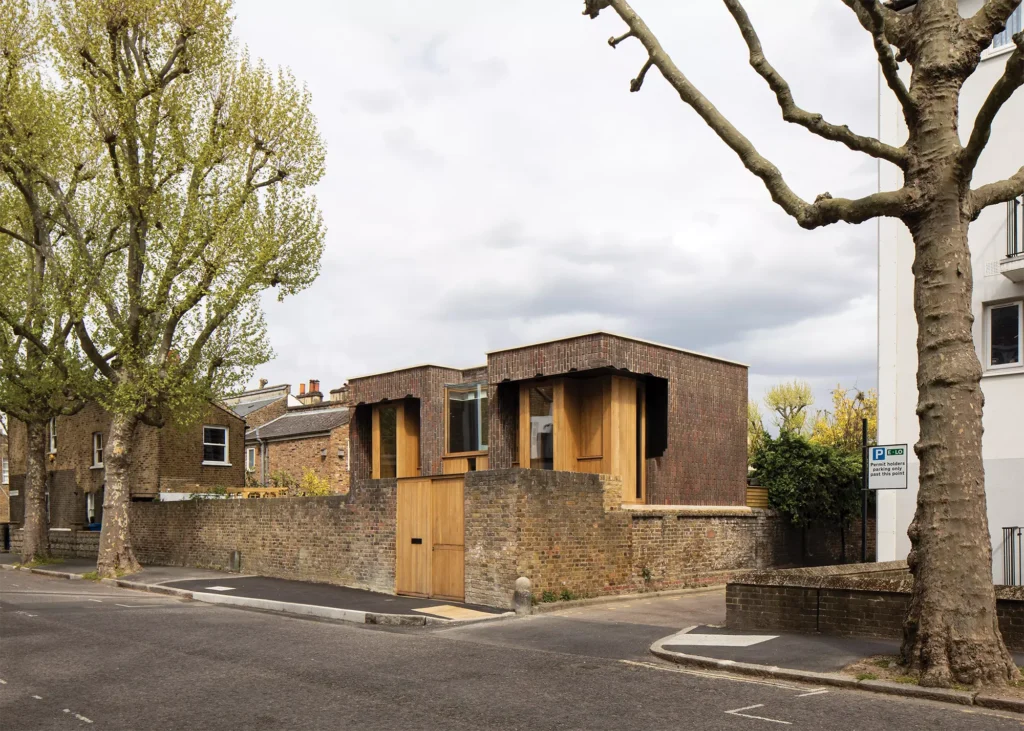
{"x": 874, "y": 20}
{"x": 18, "y": 237}
{"x": 981, "y": 27}
{"x": 1009, "y": 82}
{"x": 999, "y": 192}
{"x": 792, "y": 113}
{"x": 93, "y": 353}
{"x": 825, "y": 209}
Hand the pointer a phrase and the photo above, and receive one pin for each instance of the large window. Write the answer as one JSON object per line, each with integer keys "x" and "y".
{"x": 542, "y": 425}
{"x": 250, "y": 459}
{"x": 1004, "y": 325}
{"x": 388, "y": 441}
{"x": 467, "y": 418}
{"x": 215, "y": 445}
{"x": 1013, "y": 26}
{"x": 97, "y": 449}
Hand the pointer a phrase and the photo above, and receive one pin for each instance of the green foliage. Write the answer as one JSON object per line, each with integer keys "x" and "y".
{"x": 547, "y": 596}
{"x": 755, "y": 428}
{"x": 313, "y": 485}
{"x": 866, "y": 676}
{"x": 283, "y": 478}
{"x": 566, "y": 596}
{"x": 808, "y": 482}
{"x": 213, "y": 493}
{"x": 842, "y": 427}
{"x": 789, "y": 403}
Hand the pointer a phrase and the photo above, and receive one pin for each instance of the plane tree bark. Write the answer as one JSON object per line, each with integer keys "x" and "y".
{"x": 951, "y": 633}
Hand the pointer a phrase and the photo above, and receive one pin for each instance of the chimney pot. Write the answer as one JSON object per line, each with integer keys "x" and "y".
{"x": 302, "y": 389}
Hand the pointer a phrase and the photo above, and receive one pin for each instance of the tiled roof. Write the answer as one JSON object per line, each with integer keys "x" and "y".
{"x": 299, "y": 423}
{"x": 245, "y": 409}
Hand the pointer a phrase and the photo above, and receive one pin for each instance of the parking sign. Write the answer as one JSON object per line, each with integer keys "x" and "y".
{"x": 887, "y": 467}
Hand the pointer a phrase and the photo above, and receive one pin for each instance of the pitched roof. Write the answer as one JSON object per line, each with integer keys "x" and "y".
{"x": 301, "y": 423}
{"x": 244, "y": 409}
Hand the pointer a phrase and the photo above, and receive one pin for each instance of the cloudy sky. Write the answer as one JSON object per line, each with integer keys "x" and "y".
{"x": 492, "y": 182}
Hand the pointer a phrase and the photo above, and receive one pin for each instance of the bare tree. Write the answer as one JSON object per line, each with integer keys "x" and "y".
{"x": 951, "y": 632}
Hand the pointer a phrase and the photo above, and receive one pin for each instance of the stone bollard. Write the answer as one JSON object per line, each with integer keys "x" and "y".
{"x": 522, "y": 600}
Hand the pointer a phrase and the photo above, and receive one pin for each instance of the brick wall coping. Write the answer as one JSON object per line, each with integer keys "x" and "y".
{"x": 619, "y": 337}
{"x": 419, "y": 367}
{"x": 702, "y": 511}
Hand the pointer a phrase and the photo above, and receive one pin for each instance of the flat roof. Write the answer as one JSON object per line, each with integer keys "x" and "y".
{"x": 407, "y": 368}
{"x": 621, "y": 337}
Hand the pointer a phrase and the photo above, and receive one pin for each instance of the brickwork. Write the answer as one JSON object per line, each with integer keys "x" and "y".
{"x": 5, "y": 487}
{"x": 851, "y": 606}
{"x": 294, "y": 456}
{"x": 164, "y": 460}
{"x": 566, "y": 532}
{"x": 259, "y": 417}
{"x": 705, "y": 462}
{"x": 425, "y": 383}
{"x": 65, "y": 543}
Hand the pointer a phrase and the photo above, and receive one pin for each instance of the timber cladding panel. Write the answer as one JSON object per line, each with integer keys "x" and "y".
{"x": 347, "y": 540}
{"x": 705, "y": 462}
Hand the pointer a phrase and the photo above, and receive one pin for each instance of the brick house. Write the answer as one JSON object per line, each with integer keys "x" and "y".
{"x": 669, "y": 422}
{"x": 262, "y": 404}
{"x": 168, "y": 462}
{"x": 312, "y": 435}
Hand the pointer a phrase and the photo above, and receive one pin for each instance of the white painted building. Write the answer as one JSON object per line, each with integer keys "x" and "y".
{"x": 997, "y": 248}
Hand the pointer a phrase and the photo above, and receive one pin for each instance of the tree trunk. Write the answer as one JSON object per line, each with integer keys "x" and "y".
{"x": 36, "y": 533}
{"x": 951, "y": 633}
{"x": 116, "y": 557}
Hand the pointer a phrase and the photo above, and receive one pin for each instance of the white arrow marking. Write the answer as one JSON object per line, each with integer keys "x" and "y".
{"x": 758, "y": 718}
{"x": 813, "y": 692}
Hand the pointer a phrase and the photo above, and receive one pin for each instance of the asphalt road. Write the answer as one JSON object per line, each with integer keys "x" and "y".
{"x": 79, "y": 655}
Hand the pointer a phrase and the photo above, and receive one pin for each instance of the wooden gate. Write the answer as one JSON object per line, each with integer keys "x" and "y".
{"x": 430, "y": 551}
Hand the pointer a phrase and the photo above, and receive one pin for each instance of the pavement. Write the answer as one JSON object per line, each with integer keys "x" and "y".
{"x": 84, "y": 655}
{"x": 322, "y": 601}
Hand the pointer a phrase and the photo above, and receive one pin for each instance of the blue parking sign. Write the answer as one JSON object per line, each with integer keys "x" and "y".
{"x": 877, "y": 453}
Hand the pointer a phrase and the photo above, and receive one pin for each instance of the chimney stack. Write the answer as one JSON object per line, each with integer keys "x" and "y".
{"x": 263, "y": 383}
{"x": 302, "y": 389}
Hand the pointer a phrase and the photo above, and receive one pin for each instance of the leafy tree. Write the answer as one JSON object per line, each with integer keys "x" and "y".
{"x": 313, "y": 485}
{"x": 755, "y": 428}
{"x": 789, "y": 402}
{"x": 207, "y": 161}
{"x": 950, "y": 635}
{"x": 842, "y": 427}
{"x": 42, "y": 373}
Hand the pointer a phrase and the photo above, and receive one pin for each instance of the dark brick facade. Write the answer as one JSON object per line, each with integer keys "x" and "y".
{"x": 703, "y": 463}
{"x": 5, "y": 487}
{"x": 165, "y": 460}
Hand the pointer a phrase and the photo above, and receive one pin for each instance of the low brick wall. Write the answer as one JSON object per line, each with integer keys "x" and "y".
{"x": 567, "y": 532}
{"x": 64, "y": 543}
{"x": 860, "y": 600}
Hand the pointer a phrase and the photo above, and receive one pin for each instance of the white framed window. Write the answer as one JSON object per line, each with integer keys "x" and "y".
{"x": 97, "y": 449}
{"x": 90, "y": 507}
{"x": 1013, "y": 26}
{"x": 1004, "y": 333}
{"x": 215, "y": 445}
{"x": 250, "y": 459}
{"x": 51, "y": 435}
{"x": 5, "y": 472}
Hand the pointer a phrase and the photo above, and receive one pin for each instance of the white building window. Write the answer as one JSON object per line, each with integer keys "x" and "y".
{"x": 51, "y": 435}
{"x": 97, "y": 449}
{"x": 1013, "y": 26}
{"x": 1003, "y": 327}
{"x": 5, "y": 472}
{"x": 90, "y": 507}
{"x": 250, "y": 459}
{"x": 215, "y": 445}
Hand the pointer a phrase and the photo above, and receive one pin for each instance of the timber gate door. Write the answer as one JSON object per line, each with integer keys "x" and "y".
{"x": 429, "y": 538}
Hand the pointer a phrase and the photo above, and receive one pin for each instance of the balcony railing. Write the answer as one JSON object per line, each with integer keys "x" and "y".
{"x": 1014, "y": 228}
{"x": 1013, "y": 556}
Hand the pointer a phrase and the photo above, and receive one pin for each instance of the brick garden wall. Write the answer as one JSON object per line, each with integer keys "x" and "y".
{"x": 833, "y": 602}
{"x": 295, "y": 455}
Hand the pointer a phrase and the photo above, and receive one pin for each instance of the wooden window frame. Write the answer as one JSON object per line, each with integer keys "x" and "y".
{"x": 227, "y": 443}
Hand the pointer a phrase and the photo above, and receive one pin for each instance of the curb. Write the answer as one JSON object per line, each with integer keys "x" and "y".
{"x": 545, "y": 607}
{"x": 959, "y": 697}
{"x": 43, "y": 572}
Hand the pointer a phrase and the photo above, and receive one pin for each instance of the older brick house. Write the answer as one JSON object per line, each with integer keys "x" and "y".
{"x": 167, "y": 461}
{"x": 310, "y": 436}
{"x": 669, "y": 422}
{"x": 262, "y": 404}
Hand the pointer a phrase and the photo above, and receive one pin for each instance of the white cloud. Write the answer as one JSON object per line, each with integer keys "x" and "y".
{"x": 492, "y": 181}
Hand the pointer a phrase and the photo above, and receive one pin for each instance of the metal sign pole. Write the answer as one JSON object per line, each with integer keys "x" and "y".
{"x": 864, "y": 488}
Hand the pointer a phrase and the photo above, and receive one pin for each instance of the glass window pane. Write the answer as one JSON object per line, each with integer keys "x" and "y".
{"x": 484, "y": 419}
{"x": 467, "y": 419}
{"x": 214, "y": 436}
{"x": 213, "y": 453}
{"x": 542, "y": 444}
{"x": 1005, "y": 335}
{"x": 388, "y": 441}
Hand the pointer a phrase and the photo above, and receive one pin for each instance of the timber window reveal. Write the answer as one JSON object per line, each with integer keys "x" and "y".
{"x": 388, "y": 441}
{"x": 97, "y": 449}
{"x": 215, "y": 445}
{"x": 51, "y": 435}
{"x": 467, "y": 418}
{"x": 1013, "y": 26}
{"x": 250, "y": 459}
{"x": 1005, "y": 333}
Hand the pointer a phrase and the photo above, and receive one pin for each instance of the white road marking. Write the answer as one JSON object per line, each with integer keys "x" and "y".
{"x": 718, "y": 676}
{"x": 80, "y": 717}
{"x": 98, "y": 601}
{"x": 700, "y": 640}
{"x": 220, "y": 588}
{"x": 38, "y": 697}
{"x": 3, "y": 682}
{"x": 131, "y": 606}
{"x": 758, "y": 718}
{"x": 813, "y": 692}
{"x": 27, "y": 614}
